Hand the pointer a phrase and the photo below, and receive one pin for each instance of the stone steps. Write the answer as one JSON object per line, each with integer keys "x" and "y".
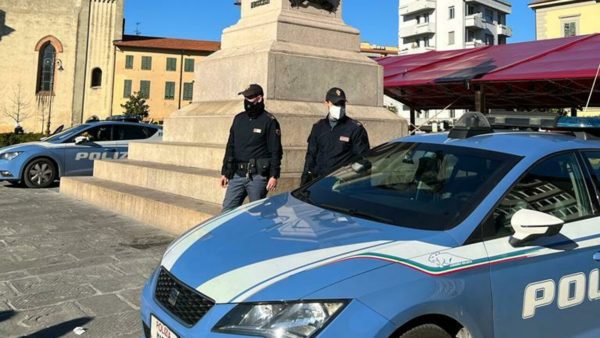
{"x": 170, "y": 212}
{"x": 196, "y": 183}
{"x": 200, "y": 155}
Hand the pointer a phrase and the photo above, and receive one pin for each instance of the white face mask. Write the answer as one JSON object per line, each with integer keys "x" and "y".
{"x": 335, "y": 112}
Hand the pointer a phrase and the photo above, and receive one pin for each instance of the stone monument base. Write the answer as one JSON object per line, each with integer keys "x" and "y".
{"x": 174, "y": 184}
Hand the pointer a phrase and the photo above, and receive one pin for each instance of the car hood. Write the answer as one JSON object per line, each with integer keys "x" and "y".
{"x": 24, "y": 147}
{"x": 259, "y": 251}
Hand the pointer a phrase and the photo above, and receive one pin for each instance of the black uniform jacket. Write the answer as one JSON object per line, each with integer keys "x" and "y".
{"x": 330, "y": 148}
{"x": 254, "y": 137}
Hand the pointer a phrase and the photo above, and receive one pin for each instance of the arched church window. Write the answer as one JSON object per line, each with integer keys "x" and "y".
{"x": 96, "y": 77}
{"x": 47, "y": 60}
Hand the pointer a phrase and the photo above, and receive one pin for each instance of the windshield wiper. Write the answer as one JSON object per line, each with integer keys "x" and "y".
{"x": 357, "y": 213}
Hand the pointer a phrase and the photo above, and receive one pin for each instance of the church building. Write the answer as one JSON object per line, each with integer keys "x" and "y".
{"x": 57, "y": 61}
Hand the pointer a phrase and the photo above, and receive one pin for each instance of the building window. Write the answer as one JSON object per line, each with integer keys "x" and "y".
{"x": 418, "y": 19}
{"x": 451, "y": 38}
{"x": 489, "y": 39}
{"x": 569, "y": 29}
{"x": 451, "y": 12}
{"x": 426, "y": 18}
{"x": 501, "y": 40}
{"x": 188, "y": 91}
{"x": 171, "y": 64}
{"x": 46, "y": 68}
{"x": 96, "y": 77}
{"x": 146, "y": 63}
{"x": 145, "y": 89}
{"x": 489, "y": 15}
{"x": 189, "y": 65}
{"x": 129, "y": 62}
{"x": 470, "y": 35}
{"x": 471, "y": 10}
{"x": 502, "y": 19}
{"x": 169, "y": 90}
{"x": 127, "y": 89}
{"x": 426, "y": 42}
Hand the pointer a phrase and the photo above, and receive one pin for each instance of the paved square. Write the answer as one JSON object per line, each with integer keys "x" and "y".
{"x": 66, "y": 264}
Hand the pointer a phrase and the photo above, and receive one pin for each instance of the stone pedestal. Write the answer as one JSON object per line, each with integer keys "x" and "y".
{"x": 296, "y": 54}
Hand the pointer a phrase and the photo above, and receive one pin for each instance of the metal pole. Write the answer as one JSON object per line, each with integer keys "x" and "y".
{"x": 51, "y": 94}
{"x": 592, "y": 91}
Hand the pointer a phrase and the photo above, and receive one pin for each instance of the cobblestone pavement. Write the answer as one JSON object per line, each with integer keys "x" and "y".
{"x": 65, "y": 264}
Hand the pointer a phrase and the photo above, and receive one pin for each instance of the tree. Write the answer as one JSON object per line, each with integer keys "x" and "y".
{"x": 136, "y": 106}
{"x": 18, "y": 109}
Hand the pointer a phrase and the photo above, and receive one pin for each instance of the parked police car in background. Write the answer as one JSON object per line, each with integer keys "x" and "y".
{"x": 474, "y": 233}
{"x": 71, "y": 152}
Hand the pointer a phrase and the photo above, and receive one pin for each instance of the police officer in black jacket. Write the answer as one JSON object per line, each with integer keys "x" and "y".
{"x": 252, "y": 162}
{"x": 334, "y": 140}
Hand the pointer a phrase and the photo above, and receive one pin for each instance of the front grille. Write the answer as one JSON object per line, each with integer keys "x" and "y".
{"x": 183, "y": 302}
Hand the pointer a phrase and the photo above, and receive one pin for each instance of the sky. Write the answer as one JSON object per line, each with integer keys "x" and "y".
{"x": 205, "y": 19}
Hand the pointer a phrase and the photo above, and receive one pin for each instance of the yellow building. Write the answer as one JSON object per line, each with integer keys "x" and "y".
{"x": 161, "y": 68}
{"x": 56, "y": 61}
{"x": 564, "y": 18}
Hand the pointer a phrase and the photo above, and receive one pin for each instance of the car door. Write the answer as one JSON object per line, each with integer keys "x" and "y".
{"x": 79, "y": 158}
{"x": 548, "y": 287}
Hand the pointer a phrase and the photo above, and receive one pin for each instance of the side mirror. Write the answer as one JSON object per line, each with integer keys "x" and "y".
{"x": 530, "y": 224}
{"x": 81, "y": 140}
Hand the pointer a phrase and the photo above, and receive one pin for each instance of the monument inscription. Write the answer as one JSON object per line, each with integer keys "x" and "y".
{"x": 259, "y": 3}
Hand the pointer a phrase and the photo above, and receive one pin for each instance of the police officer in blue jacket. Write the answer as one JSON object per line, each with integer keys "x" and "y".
{"x": 252, "y": 162}
{"x": 334, "y": 140}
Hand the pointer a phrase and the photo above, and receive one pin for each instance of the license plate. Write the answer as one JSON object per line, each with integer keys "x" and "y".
{"x": 160, "y": 330}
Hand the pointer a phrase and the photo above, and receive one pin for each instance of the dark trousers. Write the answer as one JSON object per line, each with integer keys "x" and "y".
{"x": 240, "y": 187}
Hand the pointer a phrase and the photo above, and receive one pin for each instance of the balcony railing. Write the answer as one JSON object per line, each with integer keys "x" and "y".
{"x": 416, "y": 6}
{"x": 475, "y": 21}
{"x": 504, "y": 30}
{"x": 418, "y": 29}
{"x": 474, "y": 43}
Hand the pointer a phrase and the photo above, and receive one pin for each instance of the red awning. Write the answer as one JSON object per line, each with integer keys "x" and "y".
{"x": 541, "y": 74}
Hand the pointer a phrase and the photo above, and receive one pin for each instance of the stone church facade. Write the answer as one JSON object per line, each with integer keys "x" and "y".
{"x": 57, "y": 61}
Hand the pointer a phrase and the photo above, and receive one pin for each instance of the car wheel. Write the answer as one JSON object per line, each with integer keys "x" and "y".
{"x": 426, "y": 331}
{"x": 39, "y": 173}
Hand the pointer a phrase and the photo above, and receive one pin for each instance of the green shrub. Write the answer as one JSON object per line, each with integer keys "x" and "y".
{"x": 8, "y": 139}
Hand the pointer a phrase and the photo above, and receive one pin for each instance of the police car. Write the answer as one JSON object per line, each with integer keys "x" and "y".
{"x": 472, "y": 233}
{"x": 71, "y": 152}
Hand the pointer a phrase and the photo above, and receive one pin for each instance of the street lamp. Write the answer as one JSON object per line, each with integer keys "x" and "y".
{"x": 59, "y": 63}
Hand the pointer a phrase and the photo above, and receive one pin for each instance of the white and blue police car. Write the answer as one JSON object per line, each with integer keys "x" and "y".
{"x": 474, "y": 233}
{"x": 71, "y": 152}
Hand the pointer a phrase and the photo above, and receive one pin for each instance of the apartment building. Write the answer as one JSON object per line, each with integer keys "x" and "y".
{"x": 452, "y": 24}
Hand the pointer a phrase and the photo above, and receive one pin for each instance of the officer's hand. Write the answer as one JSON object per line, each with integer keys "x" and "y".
{"x": 224, "y": 181}
{"x": 272, "y": 184}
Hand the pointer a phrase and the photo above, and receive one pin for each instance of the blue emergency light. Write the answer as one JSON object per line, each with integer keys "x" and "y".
{"x": 577, "y": 123}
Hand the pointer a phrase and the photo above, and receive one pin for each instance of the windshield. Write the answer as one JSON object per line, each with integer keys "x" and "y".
{"x": 422, "y": 186}
{"x": 65, "y": 134}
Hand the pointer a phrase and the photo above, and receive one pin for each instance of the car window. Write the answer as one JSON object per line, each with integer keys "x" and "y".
{"x": 593, "y": 159}
{"x": 555, "y": 186}
{"x": 129, "y": 132}
{"x": 95, "y": 134}
{"x": 415, "y": 185}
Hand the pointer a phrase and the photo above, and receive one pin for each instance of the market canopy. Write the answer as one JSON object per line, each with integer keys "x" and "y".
{"x": 556, "y": 73}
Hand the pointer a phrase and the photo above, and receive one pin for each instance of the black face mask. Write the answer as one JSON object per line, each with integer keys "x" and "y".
{"x": 254, "y": 109}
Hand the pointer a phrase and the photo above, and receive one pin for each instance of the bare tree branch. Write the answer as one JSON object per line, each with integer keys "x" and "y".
{"x": 18, "y": 109}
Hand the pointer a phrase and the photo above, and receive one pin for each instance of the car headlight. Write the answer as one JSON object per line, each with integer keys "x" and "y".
{"x": 10, "y": 155}
{"x": 280, "y": 320}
